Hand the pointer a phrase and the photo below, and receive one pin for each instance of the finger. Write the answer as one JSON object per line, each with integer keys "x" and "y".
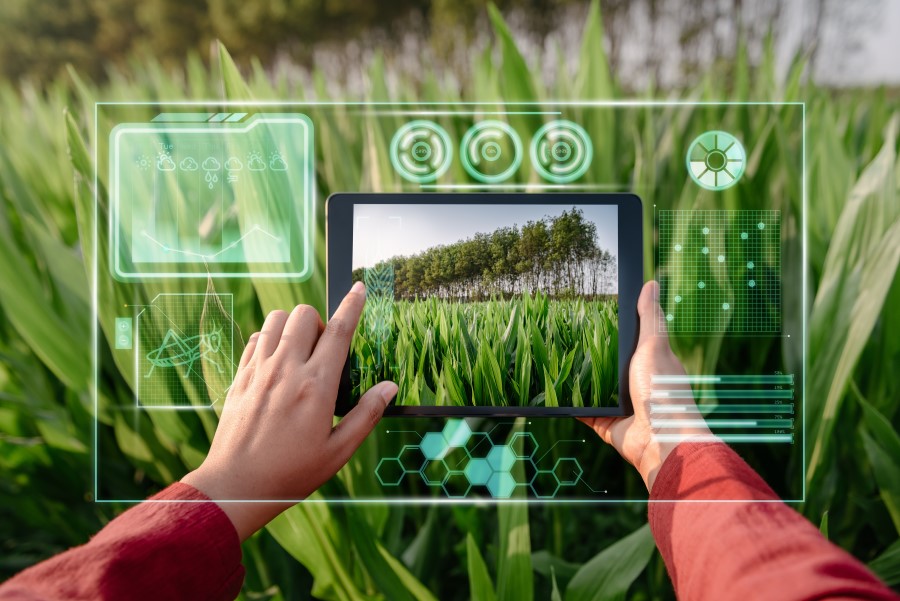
{"x": 362, "y": 419}
{"x": 652, "y": 322}
{"x": 331, "y": 351}
{"x": 302, "y": 329}
{"x": 600, "y": 425}
{"x": 248, "y": 350}
{"x": 270, "y": 335}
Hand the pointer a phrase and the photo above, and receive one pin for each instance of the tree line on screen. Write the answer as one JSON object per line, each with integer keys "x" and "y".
{"x": 560, "y": 256}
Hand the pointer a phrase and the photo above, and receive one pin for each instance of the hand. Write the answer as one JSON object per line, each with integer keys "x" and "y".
{"x": 633, "y": 436}
{"x": 275, "y": 438}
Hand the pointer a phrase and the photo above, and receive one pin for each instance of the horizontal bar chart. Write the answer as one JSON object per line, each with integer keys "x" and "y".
{"x": 719, "y": 393}
{"x": 733, "y": 408}
{"x": 733, "y": 438}
{"x": 769, "y": 379}
{"x": 722, "y": 423}
{"x": 736, "y": 408}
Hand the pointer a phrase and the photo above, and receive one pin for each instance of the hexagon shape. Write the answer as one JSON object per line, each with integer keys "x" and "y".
{"x": 501, "y": 458}
{"x": 524, "y": 475}
{"x": 456, "y": 432}
{"x": 434, "y": 473}
{"x": 433, "y": 445}
{"x": 501, "y": 485}
{"x": 456, "y": 486}
{"x": 568, "y": 471}
{"x": 544, "y": 484}
{"x": 389, "y": 471}
{"x": 411, "y": 458}
{"x": 456, "y": 459}
{"x": 479, "y": 445}
{"x": 478, "y": 471}
{"x": 528, "y": 443}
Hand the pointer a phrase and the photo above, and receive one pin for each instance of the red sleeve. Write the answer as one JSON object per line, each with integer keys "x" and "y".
{"x": 169, "y": 549}
{"x": 744, "y": 550}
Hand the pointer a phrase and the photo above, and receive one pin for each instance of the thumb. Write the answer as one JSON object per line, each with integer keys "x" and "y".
{"x": 601, "y": 426}
{"x": 360, "y": 421}
{"x": 652, "y": 322}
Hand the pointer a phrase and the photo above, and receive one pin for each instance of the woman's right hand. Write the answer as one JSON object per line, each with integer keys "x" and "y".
{"x": 633, "y": 436}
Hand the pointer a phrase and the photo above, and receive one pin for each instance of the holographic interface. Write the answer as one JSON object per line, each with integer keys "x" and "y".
{"x": 209, "y": 215}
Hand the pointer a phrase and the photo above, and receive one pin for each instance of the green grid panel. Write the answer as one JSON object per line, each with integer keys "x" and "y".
{"x": 720, "y": 271}
{"x": 184, "y": 351}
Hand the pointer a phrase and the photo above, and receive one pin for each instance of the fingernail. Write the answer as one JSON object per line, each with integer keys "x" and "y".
{"x": 358, "y": 288}
{"x": 388, "y": 392}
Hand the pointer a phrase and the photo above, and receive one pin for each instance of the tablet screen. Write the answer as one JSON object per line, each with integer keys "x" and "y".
{"x": 488, "y": 305}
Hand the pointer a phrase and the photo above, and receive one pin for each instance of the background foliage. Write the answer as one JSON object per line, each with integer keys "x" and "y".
{"x": 420, "y": 552}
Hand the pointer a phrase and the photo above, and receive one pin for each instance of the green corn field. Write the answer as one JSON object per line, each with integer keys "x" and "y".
{"x": 527, "y": 351}
{"x": 483, "y": 552}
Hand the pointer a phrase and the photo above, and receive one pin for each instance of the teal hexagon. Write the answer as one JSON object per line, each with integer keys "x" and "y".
{"x": 523, "y": 476}
{"x": 389, "y": 471}
{"x": 528, "y": 443}
{"x": 433, "y": 445}
{"x": 434, "y": 473}
{"x": 479, "y": 444}
{"x": 478, "y": 471}
{"x": 568, "y": 471}
{"x": 501, "y": 485}
{"x": 411, "y": 458}
{"x": 501, "y": 458}
{"x": 456, "y": 432}
{"x": 456, "y": 458}
{"x": 545, "y": 484}
{"x": 456, "y": 485}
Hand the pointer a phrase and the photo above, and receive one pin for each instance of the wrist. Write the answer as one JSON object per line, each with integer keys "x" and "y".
{"x": 246, "y": 518}
{"x": 652, "y": 460}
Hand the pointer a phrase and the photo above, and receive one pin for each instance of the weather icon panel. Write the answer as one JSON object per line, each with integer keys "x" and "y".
{"x": 221, "y": 199}
{"x": 716, "y": 160}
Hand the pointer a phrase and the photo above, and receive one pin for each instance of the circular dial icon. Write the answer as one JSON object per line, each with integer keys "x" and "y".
{"x": 561, "y": 151}
{"x": 716, "y": 160}
{"x": 420, "y": 151}
{"x": 491, "y": 151}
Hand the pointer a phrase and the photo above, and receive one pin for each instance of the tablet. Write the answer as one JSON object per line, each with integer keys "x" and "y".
{"x": 489, "y": 304}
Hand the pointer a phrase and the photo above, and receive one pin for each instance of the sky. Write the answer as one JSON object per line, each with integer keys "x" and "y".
{"x": 385, "y": 231}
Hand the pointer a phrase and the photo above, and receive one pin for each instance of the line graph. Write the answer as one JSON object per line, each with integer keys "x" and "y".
{"x": 209, "y": 257}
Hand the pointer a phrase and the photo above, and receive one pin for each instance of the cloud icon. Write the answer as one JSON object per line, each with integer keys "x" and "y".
{"x": 165, "y": 163}
{"x": 256, "y": 162}
{"x": 188, "y": 164}
{"x": 211, "y": 164}
{"x": 276, "y": 163}
{"x": 234, "y": 164}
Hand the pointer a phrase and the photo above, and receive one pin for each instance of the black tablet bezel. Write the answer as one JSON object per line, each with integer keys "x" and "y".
{"x": 339, "y": 248}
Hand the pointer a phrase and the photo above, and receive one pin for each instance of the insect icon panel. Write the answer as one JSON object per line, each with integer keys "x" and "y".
{"x": 228, "y": 196}
{"x": 184, "y": 350}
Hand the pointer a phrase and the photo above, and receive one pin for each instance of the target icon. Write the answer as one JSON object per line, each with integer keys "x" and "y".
{"x": 491, "y": 151}
{"x": 420, "y": 151}
{"x": 561, "y": 151}
{"x": 716, "y": 160}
